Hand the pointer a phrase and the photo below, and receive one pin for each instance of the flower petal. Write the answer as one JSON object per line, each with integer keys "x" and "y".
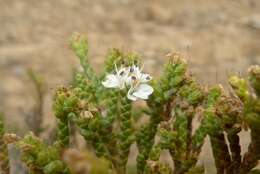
{"x": 111, "y": 81}
{"x": 143, "y": 91}
{"x": 123, "y": 71}
{"x": 130, "y": 96}
{"x": 129, "y": 81}
{"x": 145, "y": 78}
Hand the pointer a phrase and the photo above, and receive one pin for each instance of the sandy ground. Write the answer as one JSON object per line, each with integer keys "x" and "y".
{"x": 217, "y": 38}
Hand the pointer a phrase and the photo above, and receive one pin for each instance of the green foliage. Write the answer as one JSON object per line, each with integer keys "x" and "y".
{"x": 4, "y": 159}
{"x": 106, "y": 119}
{"x": 254, "y": 78}
{"x": 79, "y": 45}
{"x": 111, "y": 135}
{"x": 158, "y": 168}
{"x": 39, "y": 157}
{"x": 126, "y": 132}
{"x": 160, "y": 106}
{"x": 251, "y": 116}
{"x": 65, "y": 106}
{"x": 82, "y": 162}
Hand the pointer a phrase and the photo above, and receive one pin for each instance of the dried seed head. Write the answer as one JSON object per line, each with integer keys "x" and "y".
{"x": 86, "y": 114}
{"x": 153, "y": 165}
{"x": 254, "y": 70}
{"x": 10, "y": 138}
{"x": 175, "y": 58}
{"x": 26, "y": 147}
{"x": 166, "y": 125}
{"x": 92, "y": 108}
{"x": 82, "y": 104}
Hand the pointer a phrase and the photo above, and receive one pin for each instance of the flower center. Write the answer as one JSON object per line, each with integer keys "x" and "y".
{"x": 133, "y": 78}
{"x": 121, "y": 73}
{"x": 131, "y": 70}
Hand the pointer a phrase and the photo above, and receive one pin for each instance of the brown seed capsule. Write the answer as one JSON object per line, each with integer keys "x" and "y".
{"x": 86, "y": 114}
{"x": 82, "y": 104}
{"x": 11, "y": 138}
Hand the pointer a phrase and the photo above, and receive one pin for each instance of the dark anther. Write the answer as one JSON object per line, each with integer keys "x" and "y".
{"x": 131, "y": 69}
{"x": 148, "y": 78}
{"x": 133, "y": 78}
{"x": 121, "y": 73}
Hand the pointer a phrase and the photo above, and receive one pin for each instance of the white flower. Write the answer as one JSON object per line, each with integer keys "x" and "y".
{"x": 117, "y": 80}
{"x": 141, "y": 91}
{"x": 136, "y": 74}
{"x": 138, "y": 87}
{"x": 132, "y": 77}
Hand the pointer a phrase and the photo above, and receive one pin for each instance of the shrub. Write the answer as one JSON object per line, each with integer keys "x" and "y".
{"x": 101, "y": 108}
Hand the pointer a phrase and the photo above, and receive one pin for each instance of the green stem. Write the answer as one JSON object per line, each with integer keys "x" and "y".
{"x": 88, "y": 129}
{"x": 63, "y": 134}
{"x": 126, "y": 131}
{"x": 145, "y": 141}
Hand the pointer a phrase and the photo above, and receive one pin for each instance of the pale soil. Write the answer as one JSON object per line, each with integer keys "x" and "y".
{"x": 217, "y": 37}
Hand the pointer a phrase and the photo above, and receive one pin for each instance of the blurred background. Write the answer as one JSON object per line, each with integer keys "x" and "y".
{"x": 217, "y": 38}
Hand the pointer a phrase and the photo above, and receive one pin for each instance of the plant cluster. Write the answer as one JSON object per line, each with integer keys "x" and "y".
{"x": 101, "y": 107}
